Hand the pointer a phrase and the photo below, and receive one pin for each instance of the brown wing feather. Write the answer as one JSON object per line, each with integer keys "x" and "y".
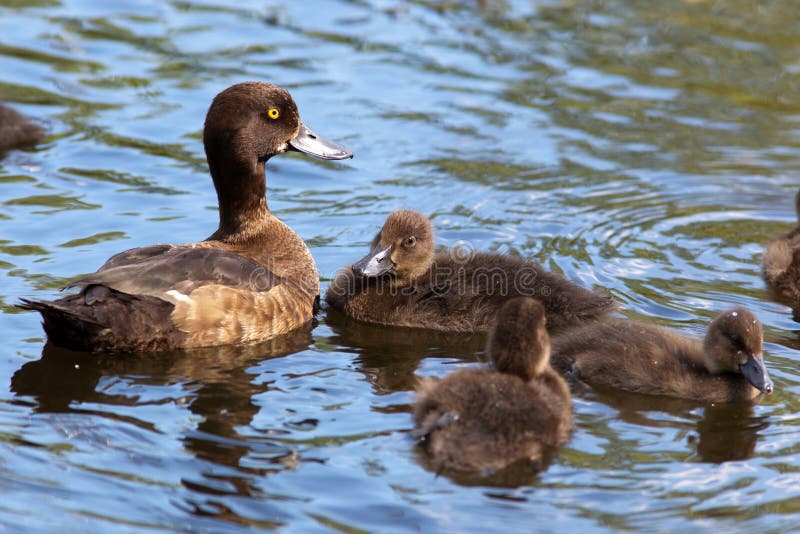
{"x": 134, "y": 255}
{"x": 198, "y": 296}
{"x": 158, "y": 270}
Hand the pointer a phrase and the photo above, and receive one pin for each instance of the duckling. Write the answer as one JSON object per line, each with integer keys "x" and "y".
{"x": 726, "y": 366}
{"x": 252, "y": 279}
{"x": 781, "y": 266}
{"x": 402, "y": 282}
{"x": 16, "y": 130}
{"x": 486, "y": 419}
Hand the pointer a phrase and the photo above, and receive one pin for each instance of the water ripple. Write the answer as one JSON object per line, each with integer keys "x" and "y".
{"x": 646, "y": 148}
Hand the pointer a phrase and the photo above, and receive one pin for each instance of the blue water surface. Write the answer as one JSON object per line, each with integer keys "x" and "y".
{"x": 649, "y": 148}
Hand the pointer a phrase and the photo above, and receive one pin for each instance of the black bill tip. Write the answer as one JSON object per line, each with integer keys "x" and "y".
{"x": 756, "y": 373}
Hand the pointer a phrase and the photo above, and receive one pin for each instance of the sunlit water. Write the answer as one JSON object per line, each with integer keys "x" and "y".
{"x": 650, "y": 148}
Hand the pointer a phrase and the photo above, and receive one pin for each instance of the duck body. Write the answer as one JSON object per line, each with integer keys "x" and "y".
{"x": 486, "y": 419}
{"x": 641, "y": 358}
{"x": 781, "y": 264}
{"x": 16, "y": 130}
{"x": 401, "y": 282}
{"x": 253, "y": 279}
{"x": 165, "y": 297}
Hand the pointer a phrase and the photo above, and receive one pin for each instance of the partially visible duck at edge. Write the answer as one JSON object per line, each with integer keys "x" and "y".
{"x": 781, "y": 266}
{"x": 16, "y": 131}
{"x": 485, "y": 419}
{"x": 725, "y": 366}
{"x": 402, "y": 282}
{"x": 252, "y": 279}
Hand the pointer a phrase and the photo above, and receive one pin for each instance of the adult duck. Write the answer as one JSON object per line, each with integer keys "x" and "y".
{"x": 727, "y": 365}
{"x": 781, "y": 265}
{"x": 402, "y": 282}
{"x": 485, "y": 419}
{"x": 252, "y": 279}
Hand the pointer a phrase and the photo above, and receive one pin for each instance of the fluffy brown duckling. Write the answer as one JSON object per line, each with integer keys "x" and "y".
{"x": 402, "y": 282}
{"x": 726, "y": 366}
{"x": 486, "y": 419}
{"x": 252, "y": 279}
{"x": 16, "y": 130}
{"x": 781, "y": 265}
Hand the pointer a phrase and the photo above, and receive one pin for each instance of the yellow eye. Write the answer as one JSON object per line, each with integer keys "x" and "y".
{"x": 273, "y": 113}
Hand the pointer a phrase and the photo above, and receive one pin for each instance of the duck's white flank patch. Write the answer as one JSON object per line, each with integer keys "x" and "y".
{"x": 178, "y": 295}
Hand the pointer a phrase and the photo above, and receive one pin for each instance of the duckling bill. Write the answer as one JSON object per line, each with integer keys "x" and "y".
{"x": 727, "y": 365}
{"x": 485, "y": 419}
{"x": 252, "y": 279}
{"x": 402, "y": 282}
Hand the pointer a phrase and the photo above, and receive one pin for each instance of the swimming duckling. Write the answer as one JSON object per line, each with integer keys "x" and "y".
{"x": 16, "y": 130}
{"x": 726, "y": 366}
{"x": 402, "y": 282}
{"x": 485, "y": 419}
{"x": 781, "y": 266}
{"x": 251, "y": 280}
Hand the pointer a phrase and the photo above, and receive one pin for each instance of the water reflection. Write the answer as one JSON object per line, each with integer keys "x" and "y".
{"x": 723, "y": 432}
{"x": 729, "y": 432}
{"x": 389, "y": 356}
{"x": 647, "y": 147}
{"x": 523, "y": 472}
{"x": 218, "y": 385}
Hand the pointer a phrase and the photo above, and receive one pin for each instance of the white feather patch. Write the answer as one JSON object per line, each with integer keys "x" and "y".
{"x": 177, "y": 295}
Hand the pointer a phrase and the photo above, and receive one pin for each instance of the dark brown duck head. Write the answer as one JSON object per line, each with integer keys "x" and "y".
{"x": 519, "y": 344}
{"x": 403, "y": 248}
{"x": 247, "y": 124}
{"x": 733, "y": 344}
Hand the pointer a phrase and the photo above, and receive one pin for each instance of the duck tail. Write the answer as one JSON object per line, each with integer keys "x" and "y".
{"x": 116, "y": 322}
{"x": 65, "y": 325}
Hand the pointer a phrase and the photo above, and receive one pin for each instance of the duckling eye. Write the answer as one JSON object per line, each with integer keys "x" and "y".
{"x": 737, "y": 341}
{"x": 410, "y": 242}
{"x": 273, "y": 113}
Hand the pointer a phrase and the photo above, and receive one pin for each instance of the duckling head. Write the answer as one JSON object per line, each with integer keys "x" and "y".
{"x": 518, "y": 343}
{"x": 733, "y": 344}
{"x": 403, "y": 248}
